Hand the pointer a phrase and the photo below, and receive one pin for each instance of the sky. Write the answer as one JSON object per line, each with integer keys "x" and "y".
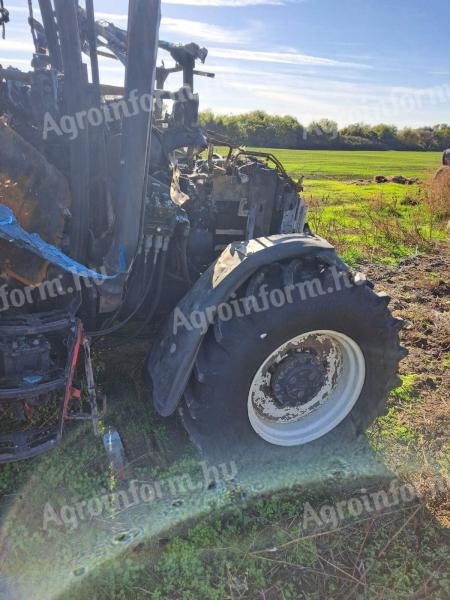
{"x": 347, "y": 60}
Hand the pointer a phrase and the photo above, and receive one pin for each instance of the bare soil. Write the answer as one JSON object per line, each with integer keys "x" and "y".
{"x": 420, "y": 292}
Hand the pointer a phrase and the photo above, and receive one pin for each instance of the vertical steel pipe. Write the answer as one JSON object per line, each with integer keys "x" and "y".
{"x": 143, "y": 35}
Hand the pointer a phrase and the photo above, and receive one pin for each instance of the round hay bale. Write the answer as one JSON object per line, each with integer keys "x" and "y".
{"x": 440, "y": 190}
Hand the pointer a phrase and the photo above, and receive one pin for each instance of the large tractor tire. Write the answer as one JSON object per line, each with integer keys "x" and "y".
{"x": 290, "y": 375}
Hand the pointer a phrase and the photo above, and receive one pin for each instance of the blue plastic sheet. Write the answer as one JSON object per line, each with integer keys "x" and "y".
{"x": 11, "y": 231}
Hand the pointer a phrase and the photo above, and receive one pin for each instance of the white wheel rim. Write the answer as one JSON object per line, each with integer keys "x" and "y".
{"x": 344, "y": 372}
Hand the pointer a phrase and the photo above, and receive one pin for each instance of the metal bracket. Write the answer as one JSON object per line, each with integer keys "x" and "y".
{"x": 72, "y": 393}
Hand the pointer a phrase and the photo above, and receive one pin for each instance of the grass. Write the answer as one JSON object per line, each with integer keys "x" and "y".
{"x": 393, "y": 427}
{"x": 329, "y": 174}
{"x": 377, "y": 222}
{"x": 344, "y": 166}
{"x": 262, "y": 551}
{"x": 337, "y": 192}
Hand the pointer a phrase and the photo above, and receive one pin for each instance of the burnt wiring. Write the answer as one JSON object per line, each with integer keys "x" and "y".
{"x": 218, "y": 139}
{"x": 269, "y": 157}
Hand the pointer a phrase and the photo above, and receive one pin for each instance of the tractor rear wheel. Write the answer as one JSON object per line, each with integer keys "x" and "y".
{"x": 294, "y": 371}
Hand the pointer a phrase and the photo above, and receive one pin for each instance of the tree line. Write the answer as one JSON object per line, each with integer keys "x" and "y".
{"x": 257, "y": 128}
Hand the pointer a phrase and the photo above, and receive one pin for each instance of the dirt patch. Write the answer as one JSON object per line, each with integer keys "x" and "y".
{"x": 420, "y": 291}
{"x": 379, "y": 179}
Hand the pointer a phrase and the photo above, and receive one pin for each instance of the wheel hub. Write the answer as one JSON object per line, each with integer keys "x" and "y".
{"x": 298, "y": 379}
{"x": 306, "y": 387}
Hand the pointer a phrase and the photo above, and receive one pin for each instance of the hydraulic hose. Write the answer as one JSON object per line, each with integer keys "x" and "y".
{"x": 164, "y": 246}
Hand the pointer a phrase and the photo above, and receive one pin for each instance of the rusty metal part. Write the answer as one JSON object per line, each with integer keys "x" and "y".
{"x": 71, "y": 393}
{"x": 298, "y": 378}
{"x": 301, "y": 371}
{"x": 317, "y": 396}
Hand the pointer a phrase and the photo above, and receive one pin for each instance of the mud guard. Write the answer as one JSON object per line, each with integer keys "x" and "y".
{"x": 175, "y": 349}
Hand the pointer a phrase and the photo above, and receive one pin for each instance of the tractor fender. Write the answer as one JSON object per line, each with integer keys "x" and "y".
{"x": 174, "y": 351}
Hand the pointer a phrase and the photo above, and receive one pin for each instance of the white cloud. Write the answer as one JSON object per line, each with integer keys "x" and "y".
{"x": 203, "y": 3}
{"x": 22, "y": 9}
{"x": 14, "y": 62}
{"x": 313, "y": 96}
{"x": 289, "y": 58}
{"x": 187, "y": 28}
{"x": 16, "y": 45}
{"x": 201, "y": 31}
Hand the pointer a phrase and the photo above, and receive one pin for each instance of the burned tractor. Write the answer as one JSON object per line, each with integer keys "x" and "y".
{"x": 115, "y": 206}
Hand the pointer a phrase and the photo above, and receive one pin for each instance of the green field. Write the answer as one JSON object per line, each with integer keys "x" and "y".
{"x": 330, "y": 174}
{"x": 368, "y": 221}
{"x": 344, "y": 165}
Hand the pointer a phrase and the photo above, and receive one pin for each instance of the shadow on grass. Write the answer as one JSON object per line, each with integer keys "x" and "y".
{"x": 233, "y": 528}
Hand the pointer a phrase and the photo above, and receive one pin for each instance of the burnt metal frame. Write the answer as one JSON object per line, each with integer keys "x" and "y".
{"x": 27, "y": 444}
{"x": 75, "y": 99}
{"x": 51, "y": 33}
{"x": 65, "y": 53}
{"x": 34, "y": 442}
